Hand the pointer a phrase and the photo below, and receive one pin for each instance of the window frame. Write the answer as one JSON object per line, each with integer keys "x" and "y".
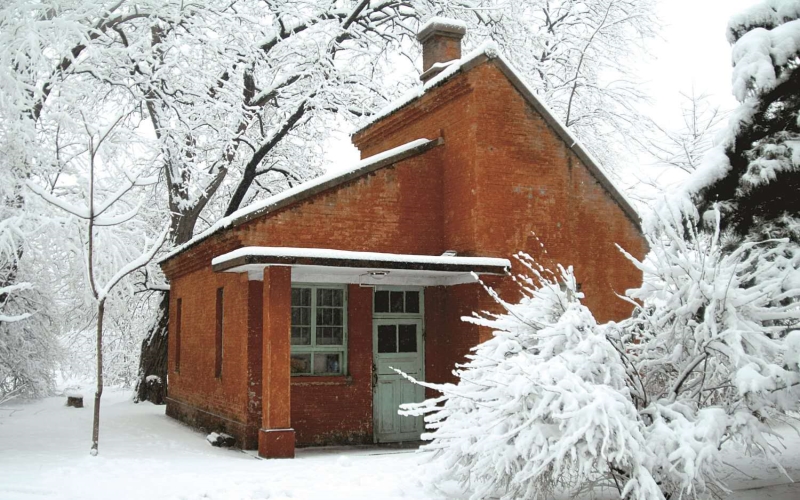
{"x": 402, "y": 315}
{"x": 313, "y": 347}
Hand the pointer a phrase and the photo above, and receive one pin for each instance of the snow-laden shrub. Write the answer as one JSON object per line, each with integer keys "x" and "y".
{"x": 29, "y": 349}
{"x": 712, "y": 350}
{"x": 555, "y": 401}
{"x": 543, "y": 405}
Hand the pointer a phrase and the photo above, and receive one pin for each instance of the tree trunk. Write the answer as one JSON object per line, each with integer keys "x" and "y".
{"x": 101, "y": 306}
{"x": 152, "y": 383}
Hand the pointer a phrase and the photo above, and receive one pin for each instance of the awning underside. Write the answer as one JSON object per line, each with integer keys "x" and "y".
{"x": 322, "y": 265}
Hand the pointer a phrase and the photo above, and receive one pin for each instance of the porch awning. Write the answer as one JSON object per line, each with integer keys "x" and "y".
{"x": 323, "y": 265}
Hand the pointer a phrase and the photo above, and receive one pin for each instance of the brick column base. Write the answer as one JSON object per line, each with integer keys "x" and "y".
{"x": 276, "y": 443}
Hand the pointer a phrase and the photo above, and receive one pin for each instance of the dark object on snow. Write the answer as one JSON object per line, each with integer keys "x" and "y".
{"x": 221, "y": 440}
{"x": 155, "y": 389}
{"x": 75, "y": 401}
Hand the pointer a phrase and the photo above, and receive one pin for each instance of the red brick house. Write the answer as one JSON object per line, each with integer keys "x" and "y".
{"x": 286, "y": 317}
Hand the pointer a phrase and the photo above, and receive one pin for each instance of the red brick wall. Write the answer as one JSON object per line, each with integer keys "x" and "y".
{"x": 501, "y": 174}
{"x": 329, "y": 410}
{"x": 529, "y": 181}
{"x": 447, "y": 338}
{"x": 195, "y": 383}
{"x": 447, "y": 112}
{"x": 506, "y": 175}
{"x": 395, "y": 209}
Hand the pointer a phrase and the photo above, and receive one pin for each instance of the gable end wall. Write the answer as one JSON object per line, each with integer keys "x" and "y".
{"x": 507, "y": 174}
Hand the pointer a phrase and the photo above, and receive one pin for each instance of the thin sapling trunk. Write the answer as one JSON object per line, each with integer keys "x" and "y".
{"x": 101, "y": 305}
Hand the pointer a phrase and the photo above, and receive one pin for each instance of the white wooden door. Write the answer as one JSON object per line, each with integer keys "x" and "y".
{"x": 397, "y": 344}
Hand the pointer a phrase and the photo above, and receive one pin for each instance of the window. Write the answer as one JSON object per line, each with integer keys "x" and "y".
{"x": 397, "y": 301}
{"x": 397, "y": 338}
{"x": 319, "y": 330}
{"x": 178, "y": 335}
{"x": 218, "y": 337}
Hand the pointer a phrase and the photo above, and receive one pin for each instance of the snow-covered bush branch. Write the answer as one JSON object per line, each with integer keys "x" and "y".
{"x": 543, "y": 405}
{"x": 555, "y": 401}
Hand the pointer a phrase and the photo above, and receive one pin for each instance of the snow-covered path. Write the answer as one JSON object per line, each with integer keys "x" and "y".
{"x": 44, "y": 454}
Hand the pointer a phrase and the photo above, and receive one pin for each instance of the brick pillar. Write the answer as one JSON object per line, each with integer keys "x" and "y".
{"x": 255, "y": 333}
{"x": 276, "y": 437}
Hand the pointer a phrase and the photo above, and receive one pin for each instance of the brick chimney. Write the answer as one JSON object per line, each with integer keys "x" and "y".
{"x": 441, "y": 43}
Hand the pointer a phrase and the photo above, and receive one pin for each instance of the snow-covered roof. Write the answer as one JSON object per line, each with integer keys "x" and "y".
{"x": 489, "y": 51}
{"x": 347, "y": 258}
{"x": 486, "y": 51}
{"x": 310, "y": 188}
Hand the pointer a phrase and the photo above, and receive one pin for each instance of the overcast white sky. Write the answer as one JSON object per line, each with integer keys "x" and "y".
{"x": 691, "y": 51}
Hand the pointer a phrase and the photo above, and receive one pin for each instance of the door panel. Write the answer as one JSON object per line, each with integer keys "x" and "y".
{"x": 398, "y": 344}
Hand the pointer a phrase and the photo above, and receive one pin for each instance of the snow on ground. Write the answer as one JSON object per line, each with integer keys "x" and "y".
{"x": 44, "y": 454}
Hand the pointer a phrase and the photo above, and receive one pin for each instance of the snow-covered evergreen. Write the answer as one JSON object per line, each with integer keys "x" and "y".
{"x": 753, "y": 173}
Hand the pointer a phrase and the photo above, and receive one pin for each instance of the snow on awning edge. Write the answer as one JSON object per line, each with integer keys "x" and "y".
{"x": 347, "y": 258}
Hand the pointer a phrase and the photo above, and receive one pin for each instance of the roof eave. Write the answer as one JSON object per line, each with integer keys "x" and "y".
{"x": 339, "y": 180}
{"x": 288, "y": 260}
{"x": 286, "y": 202}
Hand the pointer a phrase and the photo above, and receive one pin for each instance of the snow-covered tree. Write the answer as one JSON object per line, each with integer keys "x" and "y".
{"x": 107, "y": 243}
{"x": 645, "y": 407}
{"x": 29, "y": 349}
{"x": 542, "y": 406}
{"x": 28, "y": 334}
{"x": 236, "y": 98}
{"x": 753, "y": 175}
{"x": 684, "y": 148}
{"x": 577, "y": 55}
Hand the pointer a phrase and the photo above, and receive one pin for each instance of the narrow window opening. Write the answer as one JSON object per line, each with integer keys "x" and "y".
{"x": 178, "y": 335}
{"x": 218, "y": 340}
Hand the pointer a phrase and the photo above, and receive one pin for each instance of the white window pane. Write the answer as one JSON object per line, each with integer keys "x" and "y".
{"x": 396, "y": 302}
{"x": 407, "y": 338}
{"x": 318, "y": 319}
{"x": 387, "y": 338}
{"x": 301, "y": 297}
{"x": 412, "y": 302}
{"x": 330, "y": 335}
{"x": 337, "y": 298}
